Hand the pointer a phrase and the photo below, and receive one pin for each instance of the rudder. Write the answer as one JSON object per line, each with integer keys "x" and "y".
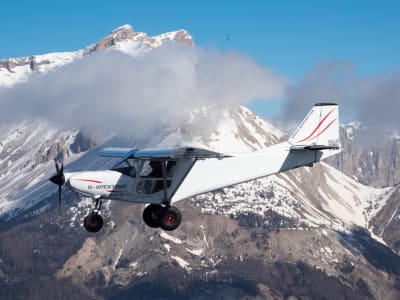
{"x": 319, "y": 129}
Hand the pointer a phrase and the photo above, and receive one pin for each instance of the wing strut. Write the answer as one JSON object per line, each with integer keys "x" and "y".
{"x": 164, "y": 174}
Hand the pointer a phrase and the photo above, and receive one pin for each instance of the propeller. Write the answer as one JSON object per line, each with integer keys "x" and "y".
{"x": 58, "y": 179}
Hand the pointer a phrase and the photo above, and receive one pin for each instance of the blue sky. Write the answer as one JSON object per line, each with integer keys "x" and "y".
{"x": 289, "y": 36}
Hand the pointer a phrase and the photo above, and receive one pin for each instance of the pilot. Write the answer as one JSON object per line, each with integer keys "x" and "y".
{"x": 156, "y": 171}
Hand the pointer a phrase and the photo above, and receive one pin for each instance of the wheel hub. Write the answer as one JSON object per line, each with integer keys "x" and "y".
{"x": 169, "y": 218}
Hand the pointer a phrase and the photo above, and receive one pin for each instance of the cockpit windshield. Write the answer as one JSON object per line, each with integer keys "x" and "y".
{"x": 127, "y": 167}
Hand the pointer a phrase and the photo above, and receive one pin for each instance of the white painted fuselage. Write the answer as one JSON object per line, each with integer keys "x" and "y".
{"x": 194, "y": 177}
{"x": 188, "y": 171}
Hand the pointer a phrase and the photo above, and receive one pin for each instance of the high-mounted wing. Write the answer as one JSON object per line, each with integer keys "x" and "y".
{"x": 117, "y": 152}
{"x": 182, "y": 152}
{"x": 161, "y": 153}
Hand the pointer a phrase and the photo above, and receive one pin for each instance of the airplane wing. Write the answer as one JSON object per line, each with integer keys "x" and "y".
{"x": 161, "y": 153}
{"x": 117, "y": 152}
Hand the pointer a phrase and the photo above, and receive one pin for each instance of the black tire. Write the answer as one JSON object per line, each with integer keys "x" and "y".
{"x": 93, "y": 222}
{"x": 171, "y": 218}
{"x": 152, "y": 215}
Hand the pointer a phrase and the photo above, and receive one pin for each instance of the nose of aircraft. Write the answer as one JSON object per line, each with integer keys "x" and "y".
{"x": 58, "y": 179}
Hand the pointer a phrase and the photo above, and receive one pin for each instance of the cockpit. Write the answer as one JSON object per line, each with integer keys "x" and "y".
{"x": 151, "y": 175}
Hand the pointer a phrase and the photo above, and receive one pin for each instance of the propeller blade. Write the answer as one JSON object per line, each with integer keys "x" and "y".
{"x": 58, "y": 179}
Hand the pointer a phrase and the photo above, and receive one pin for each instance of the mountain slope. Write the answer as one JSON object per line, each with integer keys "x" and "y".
{"x": 370, "y": 156}
{"x": 304, "y": 233}
{"x": 284, "y": 223}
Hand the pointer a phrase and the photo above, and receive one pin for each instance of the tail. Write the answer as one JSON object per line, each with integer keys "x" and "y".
{"x": 319, "y": 130}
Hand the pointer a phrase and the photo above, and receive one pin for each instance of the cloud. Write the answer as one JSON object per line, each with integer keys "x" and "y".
{"x": 135, "y": 96}
{"x": 372, "y": 100}
{"x": 378, "y": 102}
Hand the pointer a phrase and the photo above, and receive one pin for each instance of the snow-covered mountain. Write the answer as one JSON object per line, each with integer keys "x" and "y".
{"x": 123, "y": 38}
{"x": 304, "y": 233}
{"x": 319, "y": 206}
{"x": 306, "y": 197}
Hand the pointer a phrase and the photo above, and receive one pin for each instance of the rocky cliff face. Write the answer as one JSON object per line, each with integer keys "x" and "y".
{"x": 371, "y": 157}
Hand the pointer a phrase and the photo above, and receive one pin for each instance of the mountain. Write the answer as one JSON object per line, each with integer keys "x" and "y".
{"x": 370, "y": 156}
{"x": 123, "y": 38}
{"x": 311, "y": 233}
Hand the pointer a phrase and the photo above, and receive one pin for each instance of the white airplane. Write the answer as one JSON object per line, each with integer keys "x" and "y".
{"x": 160, "y": 177}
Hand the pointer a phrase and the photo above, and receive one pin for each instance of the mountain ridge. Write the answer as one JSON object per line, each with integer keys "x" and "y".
{"x": 310, "y": 232}
{"x": 123, "y": 38}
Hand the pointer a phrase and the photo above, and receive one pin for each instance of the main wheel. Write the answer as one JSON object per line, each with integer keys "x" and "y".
{"x": 93, "y": 222}
{"x": 171, "y": 218}
{"x": 152, "y": 215}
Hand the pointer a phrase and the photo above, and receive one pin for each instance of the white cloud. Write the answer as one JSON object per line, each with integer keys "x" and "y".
{"x": 114, "y": 92}
{"x": 373, "y": 100}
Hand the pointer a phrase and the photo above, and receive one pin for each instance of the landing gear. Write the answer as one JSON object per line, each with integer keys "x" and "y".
{"x": 171, "y": 218}
{"x": 168, "y": 218}
{"x": 93, "y": 222}
{"x": 152, "y": 215}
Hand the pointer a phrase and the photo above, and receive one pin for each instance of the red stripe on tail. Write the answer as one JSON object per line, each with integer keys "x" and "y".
{"x": 316, "y": 128}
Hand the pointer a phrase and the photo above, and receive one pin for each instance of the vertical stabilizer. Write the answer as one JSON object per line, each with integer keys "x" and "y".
{"x": 319, "y": 129}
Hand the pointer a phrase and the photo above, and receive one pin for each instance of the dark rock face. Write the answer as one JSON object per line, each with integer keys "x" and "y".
{"x": 82, "y": 143}
{"x": 11, "y": 63}
{"x": 386, "y": 222}
{"x": 371, "y": 157}
{"x": 118, "y": 35}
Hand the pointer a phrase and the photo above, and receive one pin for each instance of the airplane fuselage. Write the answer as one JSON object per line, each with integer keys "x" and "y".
{"x": 204, "y": 176}
{"x": 160, "y": 177}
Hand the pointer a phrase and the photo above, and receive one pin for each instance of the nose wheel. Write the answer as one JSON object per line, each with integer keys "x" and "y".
{"x": 168, "y": 218}
{"x": 93, "y": 222}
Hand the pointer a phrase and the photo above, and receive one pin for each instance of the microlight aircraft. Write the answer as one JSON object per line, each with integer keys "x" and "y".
{"x": 161, "y": 177}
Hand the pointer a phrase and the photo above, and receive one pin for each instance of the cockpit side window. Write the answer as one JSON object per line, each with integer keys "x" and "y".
{"x": 152, "y": 179}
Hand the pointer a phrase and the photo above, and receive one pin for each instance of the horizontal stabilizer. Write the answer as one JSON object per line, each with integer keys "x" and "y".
{"x": 315, "y": 147}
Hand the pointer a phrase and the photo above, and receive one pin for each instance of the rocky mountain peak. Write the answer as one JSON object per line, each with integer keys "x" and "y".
{"x": 118, "y": 35}
{"x": 124, "y": 29}
{"x": 123, "y": 38}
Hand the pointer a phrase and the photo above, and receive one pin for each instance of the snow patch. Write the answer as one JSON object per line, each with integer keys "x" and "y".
{"x": 196, "y": 252}
{"x": 182, "y": 263}
{"x": 170, "y": 238}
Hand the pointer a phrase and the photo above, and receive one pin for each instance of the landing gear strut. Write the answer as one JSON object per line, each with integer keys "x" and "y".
{"x": 168, "y": 218}
{"x": 93, "y": 222}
